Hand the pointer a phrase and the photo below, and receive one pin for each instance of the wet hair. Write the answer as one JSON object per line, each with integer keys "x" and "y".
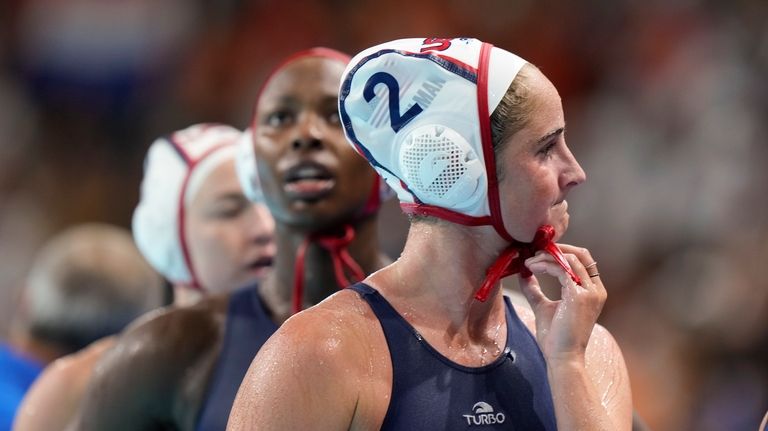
{"x": 87, "y": 282}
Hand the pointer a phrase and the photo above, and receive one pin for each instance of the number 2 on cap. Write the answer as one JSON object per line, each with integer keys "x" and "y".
{"x": 396, "y": 120}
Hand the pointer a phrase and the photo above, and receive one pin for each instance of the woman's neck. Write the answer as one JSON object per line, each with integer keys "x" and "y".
{"x": 440, "y": 270}
{"x": 433, "y": 287}
{"x": 185, "y": 294}
{"x": 319, "y": 278}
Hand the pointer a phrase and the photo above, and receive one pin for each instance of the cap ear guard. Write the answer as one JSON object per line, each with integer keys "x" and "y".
{"x": 441, "y": 167}
{"x": 245, "y": 165}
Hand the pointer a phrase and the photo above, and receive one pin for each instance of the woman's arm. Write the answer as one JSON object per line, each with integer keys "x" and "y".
{"x": 586, "y": 370}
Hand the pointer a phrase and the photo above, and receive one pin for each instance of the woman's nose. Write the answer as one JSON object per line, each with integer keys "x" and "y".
{"x": 574, "y": 174}
{"x": 310, "y": 133}
{"x": 261, "y": 225}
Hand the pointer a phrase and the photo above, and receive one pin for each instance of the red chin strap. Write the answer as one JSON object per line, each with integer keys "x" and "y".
{"x": 342, "y": 260}
{"x": 512, "y": 260}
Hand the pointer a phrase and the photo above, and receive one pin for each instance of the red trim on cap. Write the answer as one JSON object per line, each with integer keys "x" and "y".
{"x": 182, "y": 216}
{"x": 485, "y": 134}
{"x": 456, "y": 62}
{"x": 318, "y": 51}
{"x": 374, "y": 199}
{"x": 445, "y": 214}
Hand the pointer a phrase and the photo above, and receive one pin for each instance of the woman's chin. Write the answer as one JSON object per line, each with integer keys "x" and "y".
{"x": 561, "y": 227}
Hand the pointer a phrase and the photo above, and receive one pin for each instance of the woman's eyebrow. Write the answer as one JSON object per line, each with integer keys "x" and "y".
{"x": 551, "y": 134}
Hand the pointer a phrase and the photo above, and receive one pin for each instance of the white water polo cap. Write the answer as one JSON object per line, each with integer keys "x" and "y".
{"x": 245, "y": 164}
{"x": 175, "y": 168}
{"x": 419, "y": 111}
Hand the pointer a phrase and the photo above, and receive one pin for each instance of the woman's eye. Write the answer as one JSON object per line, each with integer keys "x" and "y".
{"x": 231, "y": 208}
{"x": 547, "y": 149}
{"x": 333, "y": 118}
{"x": 227, "y": 213}
{"x": 279, "y": 118}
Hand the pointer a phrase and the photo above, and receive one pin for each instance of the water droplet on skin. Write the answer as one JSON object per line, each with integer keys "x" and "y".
{"x": 332, "y": 343}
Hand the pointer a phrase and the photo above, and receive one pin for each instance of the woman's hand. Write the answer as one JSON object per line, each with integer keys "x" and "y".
{"x": 563, "y": 327}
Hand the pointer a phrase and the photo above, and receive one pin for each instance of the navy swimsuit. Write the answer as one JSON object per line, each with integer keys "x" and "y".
{"x": 430, "y": 392}
{"x": 248, "y": 328}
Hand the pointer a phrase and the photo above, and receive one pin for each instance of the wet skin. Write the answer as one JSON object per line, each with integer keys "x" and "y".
{"x": 344, "y": 371}
{"x": 157, "y": 376}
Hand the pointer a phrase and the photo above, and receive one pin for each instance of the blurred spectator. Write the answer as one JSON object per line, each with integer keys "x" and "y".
{"x": 22, "y": 229}
{"x": 85, "y": 283}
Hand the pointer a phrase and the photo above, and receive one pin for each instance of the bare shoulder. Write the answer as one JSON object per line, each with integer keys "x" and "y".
{"x": 319, "y": 363}
{"x": 157, "y": 370}
{"x": 604, "y": 363}
{"x": 59, "y": 389}
{"x": 334, "y": 329}
{"x": 601, "y": 342}
{"x": 171, "y": 334}
{"x": 75, "y": 369}
{"x": 155, "y": 353}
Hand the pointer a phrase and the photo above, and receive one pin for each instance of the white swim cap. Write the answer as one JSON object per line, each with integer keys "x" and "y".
{"x": 419, "y": 111}
{"x": 245, "y": 163}
{"x": 174, "y": 169}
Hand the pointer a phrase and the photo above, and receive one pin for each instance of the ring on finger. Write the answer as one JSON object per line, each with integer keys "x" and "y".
{"x": 594, "y": 273}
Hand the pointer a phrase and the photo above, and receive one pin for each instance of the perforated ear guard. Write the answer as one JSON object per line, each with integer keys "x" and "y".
{"x": 442, "y": 168}
{"x": 245, "y": 165}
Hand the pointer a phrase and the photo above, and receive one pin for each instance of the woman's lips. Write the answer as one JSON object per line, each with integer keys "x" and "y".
{"x": 259, "y": 266}
{"x": 309, "y": 189}
{"x": 309, "y": 181}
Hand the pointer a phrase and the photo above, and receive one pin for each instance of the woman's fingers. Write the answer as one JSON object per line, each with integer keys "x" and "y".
{"x": 575, "y": 314}
{"x": 532, "y": 291}
{"x": 544, "y": 263}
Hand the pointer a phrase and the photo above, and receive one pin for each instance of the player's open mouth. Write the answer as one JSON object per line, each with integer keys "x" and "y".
{"x": 259, "y": 266}
{"x": 264, "y": 262}
{"x": 309, "y": 181}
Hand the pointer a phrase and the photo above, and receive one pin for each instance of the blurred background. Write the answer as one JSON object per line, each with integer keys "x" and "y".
{"x": 666, "y": 103}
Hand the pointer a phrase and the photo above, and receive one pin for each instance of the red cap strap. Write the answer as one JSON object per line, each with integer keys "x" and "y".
{"x": 343, "y": 262}
{"x": 512, "y": 260}
{"x": 444, "y": 213}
